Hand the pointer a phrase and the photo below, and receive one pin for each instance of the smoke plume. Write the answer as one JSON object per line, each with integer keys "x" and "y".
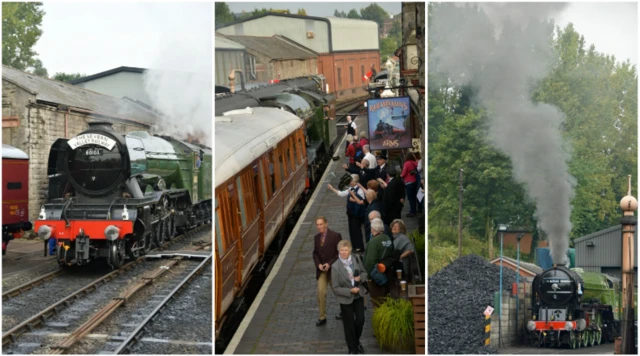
{"x": 179, "y": 82}
{"x": 502, "y": 62}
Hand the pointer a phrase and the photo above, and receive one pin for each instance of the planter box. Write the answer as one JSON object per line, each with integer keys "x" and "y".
{"x": 417, "y": 297}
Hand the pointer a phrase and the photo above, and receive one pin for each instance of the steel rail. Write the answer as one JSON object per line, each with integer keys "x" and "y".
{"x": 49, "y": 276}
{"x": 30, "y": 284}
{"x": 40, "y": 318}
{"x": 110, "y": 308}
{"x": 136, "y": 334}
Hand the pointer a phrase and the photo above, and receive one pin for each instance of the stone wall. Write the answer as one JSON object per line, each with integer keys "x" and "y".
{"x": 512, "y": 334}
{"x": 39, "y": 126}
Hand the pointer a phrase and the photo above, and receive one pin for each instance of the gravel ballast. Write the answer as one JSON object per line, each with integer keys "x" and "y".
{"x": 458, "y": 295}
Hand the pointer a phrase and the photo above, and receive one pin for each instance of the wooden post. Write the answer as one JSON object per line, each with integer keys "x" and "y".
{"x": 460, "y": 219}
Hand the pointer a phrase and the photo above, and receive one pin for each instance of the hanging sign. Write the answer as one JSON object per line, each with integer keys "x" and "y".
{"x": 389, "y": 123}
{"x": 91, "y": 139}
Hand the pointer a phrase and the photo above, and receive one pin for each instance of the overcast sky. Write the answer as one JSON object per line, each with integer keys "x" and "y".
{"x": 314, "y": 8}
{"x": 94, "y": 37}
{"x": 611, "y": 27}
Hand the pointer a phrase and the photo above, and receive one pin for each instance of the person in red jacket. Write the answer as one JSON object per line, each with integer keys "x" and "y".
{"x": 409, "y": 171}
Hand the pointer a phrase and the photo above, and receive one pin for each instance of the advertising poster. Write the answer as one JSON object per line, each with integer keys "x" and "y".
{"x": 389, "y": 123}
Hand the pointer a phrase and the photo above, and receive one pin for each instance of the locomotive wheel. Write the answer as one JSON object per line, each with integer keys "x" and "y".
{"x": 159, "y": 230}
{"x": 585, "y": 338}
{"x": 598, "y": 337}
{"x": 116, "y": 254}
{"x": 131, "y": 249}
{"x": 572, "y": 340}
{"x": 63, "y": 257}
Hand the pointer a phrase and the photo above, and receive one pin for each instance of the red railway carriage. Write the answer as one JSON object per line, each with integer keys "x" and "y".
{"x": 15, "y": 194}
{"x": 261, "y": 171}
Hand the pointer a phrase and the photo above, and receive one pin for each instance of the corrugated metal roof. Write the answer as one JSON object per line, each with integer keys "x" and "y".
{"x": 274, "y": 47}
{"x": 353, "y": 35}
{"x": 52, "y": 91}
{"x": 605, "y": 249}
{"x": 530, "y": 267}
{"x": 321, "y": 34}
{"x": 225, "y": 43}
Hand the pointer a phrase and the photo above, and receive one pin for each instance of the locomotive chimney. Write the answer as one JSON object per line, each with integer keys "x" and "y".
{"x": 628, "y": 204}
{"x": 101, "y": 125}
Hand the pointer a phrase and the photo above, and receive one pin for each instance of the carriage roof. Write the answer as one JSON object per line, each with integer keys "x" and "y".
{"x": 13, "y": 153}
{"x": 244, "y": 135}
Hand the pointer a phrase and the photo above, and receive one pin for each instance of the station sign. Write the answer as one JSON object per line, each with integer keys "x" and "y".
{"x": 91, "y": 139}
{"x": 389, "y": 123}
{"x": 488, "y": 311}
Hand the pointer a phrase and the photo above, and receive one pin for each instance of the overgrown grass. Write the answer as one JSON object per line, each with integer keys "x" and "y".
{"x": 393, "y": 325}
{"x": 443, "y": 247}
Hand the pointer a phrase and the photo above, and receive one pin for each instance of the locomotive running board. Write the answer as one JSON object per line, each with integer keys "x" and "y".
{"x": 191, "y": 254}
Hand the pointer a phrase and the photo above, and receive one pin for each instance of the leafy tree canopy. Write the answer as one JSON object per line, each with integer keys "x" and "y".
{"x": 223, "y": 14}
{"x": 302, "y": 12}
{"x": 353, "y": 14}
{"x": 21, "y": 29}
{"x": 374, "y": 12}
{"x": 67, "y": 77}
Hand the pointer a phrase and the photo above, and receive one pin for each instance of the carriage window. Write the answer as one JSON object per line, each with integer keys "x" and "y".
{"x": 14, "y": 185}
{"x": 281, "y": 169}
{"x": 289, "y": 160}
{"x": 243, "y": 214}
{"x": 272, "y": 172}
{"x": 295, "y": 152}
{"x": 218, "y": 233}
{"x": 264, "y": 186}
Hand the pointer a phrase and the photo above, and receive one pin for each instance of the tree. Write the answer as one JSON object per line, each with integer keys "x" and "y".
{"x": 21, "y": 22}
{"x": 223, "y": 14}
{"x": 353, "y": 14}
{"x": 302, "y": 12}
{"x": 38, "y": 69}
{"x": 375, "y": 13}
{"x": 387, "y": 46}
{"x": 67, "y": 77}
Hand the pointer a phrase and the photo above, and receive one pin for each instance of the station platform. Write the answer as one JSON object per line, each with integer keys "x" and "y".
{"x": 282, "y": 318}
{"x": 24, "y": 255}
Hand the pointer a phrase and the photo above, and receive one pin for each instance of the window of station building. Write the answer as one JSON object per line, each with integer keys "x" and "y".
{"x": 339, "y": 78}
{"x": 362, "y": 70}
{"x": 218, "y": 231}
{"x": 351, "y": 75}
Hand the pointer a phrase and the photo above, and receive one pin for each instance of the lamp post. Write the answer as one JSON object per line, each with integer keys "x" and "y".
{"x": 628, "y": 204}
{"x": 519, "y": 237}
{"x": 502, "y": 228}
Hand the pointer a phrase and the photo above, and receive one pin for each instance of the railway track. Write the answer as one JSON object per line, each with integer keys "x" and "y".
{"x": 43, "y": 316}
{"x": 61, "y": 271}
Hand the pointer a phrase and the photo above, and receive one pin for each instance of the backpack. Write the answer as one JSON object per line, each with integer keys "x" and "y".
{"x": 359, "y": 152}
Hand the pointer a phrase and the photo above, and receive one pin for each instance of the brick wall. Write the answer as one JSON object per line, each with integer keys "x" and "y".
{"x": 40, "y": 125}
{"x": 512, "y": 334}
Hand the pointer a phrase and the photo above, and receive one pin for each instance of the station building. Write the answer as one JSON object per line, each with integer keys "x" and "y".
{"x": 37, "y": 111}
{"x": 229, "y": 55}
{"x": 275, "y": 57}
{"x": 118, "y": 82}
{"x": 346, "y": 48}
{"x": 601, "y": 252}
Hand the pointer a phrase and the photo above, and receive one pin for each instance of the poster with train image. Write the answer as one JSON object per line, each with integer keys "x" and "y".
{"x": 389, "y": 123}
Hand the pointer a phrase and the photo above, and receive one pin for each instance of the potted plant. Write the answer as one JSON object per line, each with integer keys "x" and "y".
{"x": 393, "y": 325}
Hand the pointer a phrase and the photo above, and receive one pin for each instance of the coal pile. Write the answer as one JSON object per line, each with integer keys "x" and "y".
{"x": 458, "y": 295}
